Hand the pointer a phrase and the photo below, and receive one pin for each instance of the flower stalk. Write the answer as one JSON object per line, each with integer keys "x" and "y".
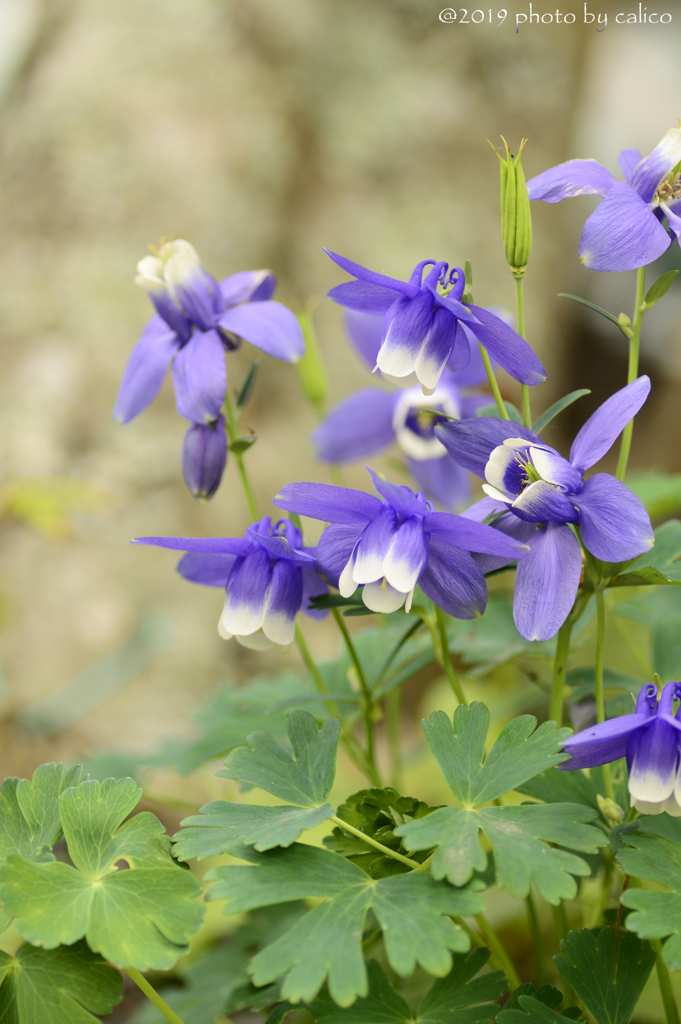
{"x": 153, "y": 996}
{"x": 632, "y": 371}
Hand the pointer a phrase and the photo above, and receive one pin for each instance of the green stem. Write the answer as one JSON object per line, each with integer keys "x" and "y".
{"x": 535, "y": 930}
{"x": 632, "y": 372}
{"x": 372, "y": 768}
{"x": 498, "y": 950}
{"x": 392, "y": 714}
{"x": 600, "y": 701}
{"x": 232, "y": 425}
{"x": 520, "y": 316}
{"x": 493, "y": 383}
{"x": 413, "y": 864}
{"x": 665, "y": 983}
{"x": 561, "y": 926}
{"x": 446, "y": 658}
{"x": 477, "y": 941}
{"x": 559, "y": 670}
{"x": 153, "y": 996}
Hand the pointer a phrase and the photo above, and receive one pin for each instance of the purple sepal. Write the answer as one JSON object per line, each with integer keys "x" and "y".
{"x": 628, "y": 161}
{"x": 366, "y": 334}
{"x": 204, "y": 456}
{"x": 508, "y": 348}
{"x": 267, "y": 325}
{"x": 442, "y": 480}
{"x": 358, "y": 426}
{"x": 573, "y": 178}
{"x": 546, "y": 582}
{"x": 214, "y": 545}
{"x": 247, "y": 286}
{"x": 211, "y": 570}
{"x": 199, "y": 296}
{"x": 364, "y": 297}
{"x": 613, "y": 522}
{"x": 622, "y": 233}
{"x": 313, "y": 586}
{"x": 453, "y": 581}
{"x": 464, "y": 532}
{"x": 540, "y": 502}
{"x": 401, "y": 497}
{"x": 172, "y": 316}
{"x": 356, "y": 270}
{"x": 470, "y": 442}
{"x": 602, "y": 743}
{"x": 200, "y": 377}
{"x": 603, "y": 428}
{"x": 145, "y": 369}
{"x": 474, "y": 372}
{"x": 506, "y": 523}
{"x": 673, "y": 214}
{"x": 654, "y": 168}
{"x": 334, "y": 550}
{"x": 279, "y": 547}
{"x": 329, "y": 503}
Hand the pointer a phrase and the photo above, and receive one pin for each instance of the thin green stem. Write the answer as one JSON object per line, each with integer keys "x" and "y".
{"x": 498, "y": 950}
{"x": 392, "y": 716}
{"x": 368, "y": 705}
{"x": 535, "y": 930}
{"x": 559, "y": 670}
{"x": 232, "y": 424}
{"x": 446, "y": 658}
{"x": 520, "y": 316}
{"x": 503, "y": 412}
{"x": 632, "y": 371}
{"x": 665, "y": 983}
{"x": 413, "y": 864}
{"x": 561, "y": 927}
{"x": 153, "y": 996}
{"x": 600, "y": 701}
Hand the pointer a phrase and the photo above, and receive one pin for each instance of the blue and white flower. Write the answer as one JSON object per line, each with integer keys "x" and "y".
{"x": 268, "y": 577}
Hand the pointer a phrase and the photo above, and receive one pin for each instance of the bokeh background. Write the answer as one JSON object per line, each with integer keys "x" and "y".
{"x": 260, "y": 131}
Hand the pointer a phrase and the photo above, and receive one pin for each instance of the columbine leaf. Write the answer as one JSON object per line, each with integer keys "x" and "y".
{"x": 659, "y": 566}
{"x": 56, "y": 986}
{"x": 517, "y": 755}
{"x": 139, "y": 917}
{"x": 608, "y": 976}
{"x": 527, "y": 1004}
{"x": 492, "y": 410}
{"x": 304, "y": 779}
{"x": 598, "y": 309}
{"x": 220, "y": 825}
{"x": 327, "y": 941}
{"x": 29, "y": 811}
{"x": 574, "y": 787}
{"x": 659, "y": 288}
{"x": 557, "y": 407}
{"x": 657, "y": 914}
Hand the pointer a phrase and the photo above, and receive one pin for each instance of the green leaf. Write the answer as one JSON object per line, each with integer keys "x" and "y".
{"x": 518, "y": 836}
{"x": 56, "y": 986}
{"x": 657, "y": 914}
{"x": 659, "y": 288}
{"x": 557, "y": 407}
{"x": 492, "y": 411}
{"x": 659, "y": 566}
{"x": 304, "y": 779}
{"x": 139, "y": 917}
{"x": 583, "y": 302}
{"x": 247, "y": 386}
{"x": 517, "y": 755}
{"x": 578, "y": 787}
{"x": 29, "y": 811}
{"x": 539, "y": 1006}
{"x": 659, "y": 492}
{"x": 608, "y": 976}
{"x": 220, "y": 825}
{"x": 242, "y": 445}
{"x": 327, "y": 941}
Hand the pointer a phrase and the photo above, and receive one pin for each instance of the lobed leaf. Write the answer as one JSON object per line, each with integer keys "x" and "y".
{"x": 221, "y": 826}
{"x": 656, "y": 914}
{"x": 30, "y": 822}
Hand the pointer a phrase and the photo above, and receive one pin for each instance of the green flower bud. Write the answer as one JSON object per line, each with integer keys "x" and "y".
{"x": 516, "y": 221}
{"x": 310, "y": 368}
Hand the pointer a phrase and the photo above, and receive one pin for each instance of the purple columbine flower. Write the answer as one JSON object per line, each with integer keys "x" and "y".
{"x": 197, "y": 320}
{"x": 426, "y": 327}
{"x": 389, "y": 546}
{"x": 268, "y": 576}
{"x": 625, "y": 231}
{"x": 537, "y": 493}
{"x": 204, "y": 456}
{"x": 650, "y": 740}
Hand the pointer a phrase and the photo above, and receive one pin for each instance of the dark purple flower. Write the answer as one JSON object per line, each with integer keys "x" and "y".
{"x": 625, "y": 231}
{"x": 204, "y": 456}
{"x": 538, "y": 493}
{"x": 426, "y": 327}
{"x": 197, "y": 319}
{"x": 389, "y": 546}
{"x": 650, "y": 739}
{"x": 268, "y": 576}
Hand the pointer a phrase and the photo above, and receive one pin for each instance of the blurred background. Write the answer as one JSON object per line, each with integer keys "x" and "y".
{"x": 260, "y": 131}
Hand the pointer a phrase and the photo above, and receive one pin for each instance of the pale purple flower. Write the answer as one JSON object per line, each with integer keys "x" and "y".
{"x": 650, "y": 739}
{"x": 389, "y": 546}
{"x": 204, "y": 456}
{"x": 625, "y": 231}
{"x": 268, "y": 577}
{"x": 537, "y": 493}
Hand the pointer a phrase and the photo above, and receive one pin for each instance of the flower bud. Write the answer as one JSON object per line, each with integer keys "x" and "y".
{"x": 204, "y": 456}
{"x": 310, "y": 368}
{"x": 516, "y": 221}
{"x": 612, "y": 812}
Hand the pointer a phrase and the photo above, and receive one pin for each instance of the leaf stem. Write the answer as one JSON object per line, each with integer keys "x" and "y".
{"x": 153, "y": 996}
{"x": 600, "y": 701}
{"x": 413, "y": 864}
{"x": 498, "y": 950}
{"x": 561, "y": 927}
{"x": 559, "y": 669}
{"x": 372, "y": 767}
{"x": 232, "y": 424}
{"x": 392, "y": 715}
{"x": 503, "y": 412}
{"x": 632, "y": 371}
{"x": 535, "y": 930}
{"x": 520, "y": 316}
{"x": 445, "y": 657}
{"x": 665, "y": 983}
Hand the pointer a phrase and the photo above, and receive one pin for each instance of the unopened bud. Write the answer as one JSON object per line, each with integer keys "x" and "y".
{"x": 516, "y": 220}
{"x": 311, "y": 372}
{"x": 204, "y": 457}
{"x": 612, "y": 812}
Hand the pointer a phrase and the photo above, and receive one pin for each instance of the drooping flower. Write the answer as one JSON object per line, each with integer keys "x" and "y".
{"x": 268, "y": 576}
{"x": 537, "y": 493}
{"x": 204, "y": 456}
{"x": 650, "y": 739}
{"x": 389, "y": 546}
{"x": 426, "y": 327}
{"x": 625, "y": 231}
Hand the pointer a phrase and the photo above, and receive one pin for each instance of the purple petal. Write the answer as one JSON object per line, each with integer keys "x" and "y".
{"x": 402, "y": 498}
{"x": 364, "y": 297}
{"x": 329, "y": 503}
{"x": 283, "y": 602}
{"x": 601, "y": 743}
{"x": 437, "y": 349}
{"x": 657, "y": 166}
{"x": 470, "y": 442}
{"x": 200, "y": 377}
{"x": 613, "y": 521}
{"x": 546, "y": 582}
{"x": 216, "y": 545}
{"x": 366, "y": 334}
{"x": 209, "y": 569}
{"x": 507, "y": 523}
{"x": 540, "y": 502}
{"x": 204, "y": 456}
{"x": 407, "y": 555}
{"x": 374, "y": 546}
{"x": 453, "y": 581}
{"x": 464, "y": 532}
{"x": 628, "y": 160}
{"x": 313, "y": 586}
{"x": 506, "y": 346}
{"x": 653, "y": 761}
{"x": 406, "y": 326}
{"x": 359, "y": 426}
{"x": 369, "y": 275}
{"x": 194, "y": 290}
{"x": 145, "y": 369}
{"x": 623, "y": 233}
{"x": 673, "y": 215}
{"x": 573, "y": 178}
{"x": 334, "y": 551}
{"x": 171, "y": 314}
{"x": 269, "y": 326}
{"x": 602, "y": 429}
{"x": 279, "y": 547}
{"x": 248, "y": 286}
{"x": 442, "y": 480}
{"x": 474, "y": 372}
{"x": 244, "y": 610}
